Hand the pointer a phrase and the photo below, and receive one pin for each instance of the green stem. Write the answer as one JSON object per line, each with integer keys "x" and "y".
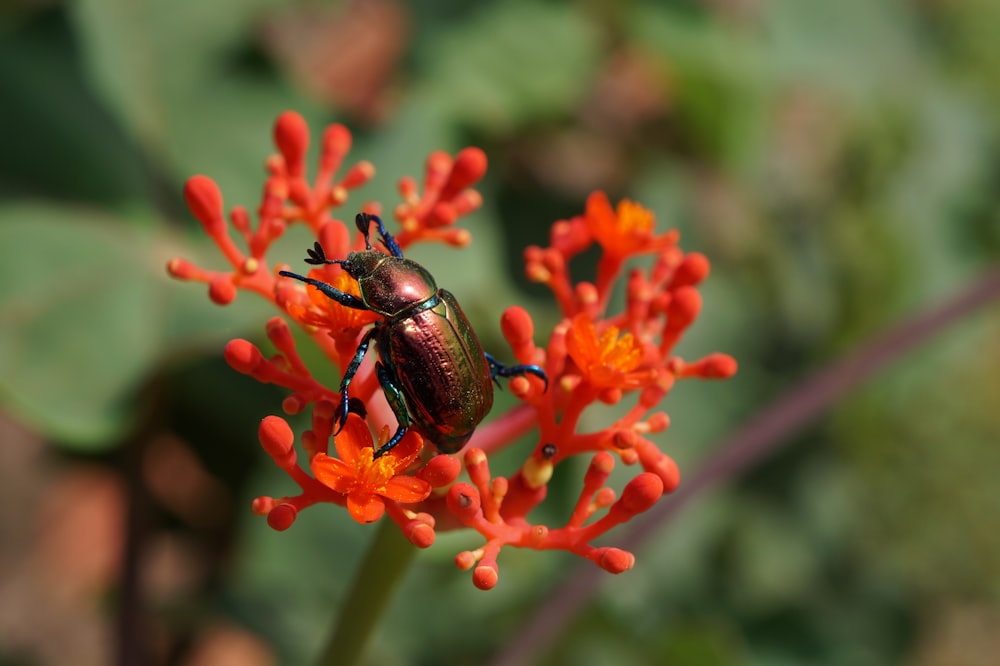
{"x": 389, "y": 556}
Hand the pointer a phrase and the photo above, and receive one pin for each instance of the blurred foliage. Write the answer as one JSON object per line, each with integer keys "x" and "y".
{"x": 838, "y": 162}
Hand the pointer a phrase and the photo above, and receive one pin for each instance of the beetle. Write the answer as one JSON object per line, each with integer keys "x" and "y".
{"x": 431, "y": 366}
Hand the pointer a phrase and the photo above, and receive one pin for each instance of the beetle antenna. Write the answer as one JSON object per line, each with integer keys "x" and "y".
{"x": 317, "y": 257}
{"x": 364, "y": 220}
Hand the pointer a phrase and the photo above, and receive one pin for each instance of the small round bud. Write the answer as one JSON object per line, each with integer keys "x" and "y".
{"x": 440, "y": 471}
{"x": 616, "y": 560}
{"x": 243, "y": 356}
{"x": 693, "y": 269}
{"x": 221, "y": 289}
{"x": 463, "y": 501}
{"x": 281, "y": 517}
{"x": 418, "y": 533}
{"x": 277, "y": 438}
{"x": 485, "y": 577}
{"x": 204, "y": 200}
{"x": 641, "y": 493}
{"x": 291, "y": 136}
{"x": 684, "y": 308}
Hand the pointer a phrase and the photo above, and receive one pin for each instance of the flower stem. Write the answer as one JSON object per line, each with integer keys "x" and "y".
{"x": 388, "y": 558}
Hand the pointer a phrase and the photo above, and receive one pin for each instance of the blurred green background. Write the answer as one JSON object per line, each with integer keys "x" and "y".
{"x": 839, "y": 162}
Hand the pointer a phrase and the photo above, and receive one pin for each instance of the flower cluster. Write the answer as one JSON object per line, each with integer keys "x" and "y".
{"x": 591, "y": 356}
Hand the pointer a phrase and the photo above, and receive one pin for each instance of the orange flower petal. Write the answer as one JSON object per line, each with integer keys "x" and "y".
{"x": 365, "y": 507}
{"x": 406, "y": 489}
{"x": 407, "y": 451}
{"x": 609, "y": 361}
{"x": 354, "y": 437}
{"x": 334, "y": 473}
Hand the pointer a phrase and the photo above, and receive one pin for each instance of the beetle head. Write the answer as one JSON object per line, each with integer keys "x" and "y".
{"x": 362, "y": 263}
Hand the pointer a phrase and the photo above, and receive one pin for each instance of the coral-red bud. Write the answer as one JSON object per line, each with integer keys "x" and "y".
{"x": 408, "y": 188}
{"x": 465, "y": 560}
{"x": 605, "y": 497}
{"x": 182, "y": 269}
{"x": 418, "y": 533}
{"x": 442, "y": 215}
{"x": 336, "y": 140}
{"x": 683, "y": 308}
{"x": 243, "y": 356}
{"x": 280, "y": 334}
{"x": 221, "y": 289}
{"x": 440, "y": 471}
{"x": 719, "y": 366}
{"x": 438, "y": 167}
{"x": 281, "y": 517}
{"x": 615, "y": 560}
{"x": 713, "y": 366}
{"x": 204, "y": 200}
{"x": 470, "y": 166}
{"x": 669, "y": 473}
{"x": 519, "y": 387}
{"x": 658, "y": 422}
{"x": 600, "y": 468}
{"x": 277, "y": 438}
{"x": 641, "y": 493}
{"x": 517, "y": 326}
{"x": 240, "y": 218}
{"x": 692, "y": 270}
{"x": 299, "y": 192}
{"x": 466, "y": 201}
{"x": 358, "y": 175}
{"x": 261, "y": 506}
{"x": 485, "y": 577}
{"x": 291, "y": 136}
{"x": 463, "y": 501}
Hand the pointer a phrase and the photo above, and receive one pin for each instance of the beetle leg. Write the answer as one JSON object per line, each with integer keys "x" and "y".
{"x": 364, "y": 220}
{"x": 394, "y": 396}
{"x": 347, "y": 300}
{"x": 345, "y": 381}
{"x": 498, "y": 369}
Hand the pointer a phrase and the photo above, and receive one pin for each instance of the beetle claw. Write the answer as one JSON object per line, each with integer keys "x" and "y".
{"x": 498, "y": 369}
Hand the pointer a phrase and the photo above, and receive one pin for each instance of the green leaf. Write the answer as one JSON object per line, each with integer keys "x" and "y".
{"x": 88, "y": 312}
{"x": 42, "y": 79}
{"x": 170, "y": 72}
{"x": 512, "y": 62}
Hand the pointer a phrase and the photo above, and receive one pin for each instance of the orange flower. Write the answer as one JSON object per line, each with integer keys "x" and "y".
{"x": 623, "y": 231}
{"x": 367, "y": 482}
{"x": 607, "y": 361}
{"x": 314, "y": 308}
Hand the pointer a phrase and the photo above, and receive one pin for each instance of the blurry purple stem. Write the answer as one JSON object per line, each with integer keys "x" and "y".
{"x": 766, "y": 433}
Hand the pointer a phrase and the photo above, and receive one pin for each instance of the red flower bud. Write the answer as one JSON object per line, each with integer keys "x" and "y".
{"x": 204, "y": 200}
{"x": 291, "y": 136}
{"x": 641, "y": 493}
{"x": 485, "y": 577}
{"x": 693, "y": 269}
{"x": 440, "y": 471}
{"x": 615, "y": 560}
{"x": 243, "y": 356}
{"x": 463, "y": 501}
{"x": 470, "y": 166}
{"x": 418, "y": 533}
{"x": 282, "y": 516}
{"x": 336, "y": 141}
{"x": 683, "y": 308}
{"x": 221, "y": 289}
{"x": 278, "y": 440}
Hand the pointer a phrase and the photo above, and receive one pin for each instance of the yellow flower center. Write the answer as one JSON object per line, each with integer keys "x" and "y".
{"x": 633, "y": 218}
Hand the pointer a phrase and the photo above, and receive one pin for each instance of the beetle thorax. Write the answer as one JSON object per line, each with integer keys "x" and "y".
{"x": 390, "y": 285}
